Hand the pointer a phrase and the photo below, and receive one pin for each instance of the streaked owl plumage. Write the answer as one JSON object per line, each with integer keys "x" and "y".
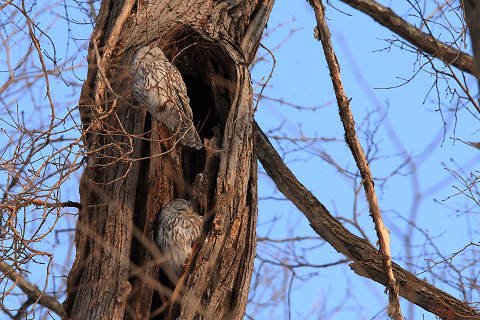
{"x": 158, "y": 85}
{"x": 178, "y": 228}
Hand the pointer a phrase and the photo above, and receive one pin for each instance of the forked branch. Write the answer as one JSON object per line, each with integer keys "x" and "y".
{"x": 31, "y": 290}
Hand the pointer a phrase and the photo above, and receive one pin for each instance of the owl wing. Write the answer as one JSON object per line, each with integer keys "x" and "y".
{"x": 180, "y": 93}
{"x": 158, "y": 84}
{"x": 196, "y": 223}
{"x": 177, "y": 115}
{"x": 169, "y": 240}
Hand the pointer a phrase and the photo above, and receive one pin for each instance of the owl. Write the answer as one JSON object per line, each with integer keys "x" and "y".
{"x": 178, "y": 228}
{"x": 159, "y": 86}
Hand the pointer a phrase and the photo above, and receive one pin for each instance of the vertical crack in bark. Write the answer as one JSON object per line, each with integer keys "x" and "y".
{"x": 220, "y": 180}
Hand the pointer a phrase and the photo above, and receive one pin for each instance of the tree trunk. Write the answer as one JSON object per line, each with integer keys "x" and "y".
{"x": 472, "y": 17}
{"x": 133, "y": 169}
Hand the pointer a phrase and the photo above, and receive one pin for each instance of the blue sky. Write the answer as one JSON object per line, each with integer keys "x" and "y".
{"x": 411, "y": 126}
{"x": 407, "y": 122}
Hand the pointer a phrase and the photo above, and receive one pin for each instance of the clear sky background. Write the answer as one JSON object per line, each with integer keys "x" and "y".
{"x": 409, "y": 123}
{"x": 406, "y": 122}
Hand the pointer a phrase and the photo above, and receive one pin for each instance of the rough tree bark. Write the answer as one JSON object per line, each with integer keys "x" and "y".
{"x": 133, "y": 168}
{"x": 472, "y": 17}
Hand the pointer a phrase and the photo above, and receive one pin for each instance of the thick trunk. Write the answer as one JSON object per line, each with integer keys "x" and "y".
{"x": 133, "y": 169}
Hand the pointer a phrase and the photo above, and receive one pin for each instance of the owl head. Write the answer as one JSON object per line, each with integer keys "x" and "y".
{"x": 179, "y": 206}
{"x": 148, "y": 52}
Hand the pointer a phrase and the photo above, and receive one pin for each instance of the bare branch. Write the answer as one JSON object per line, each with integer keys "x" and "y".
{"x": 67, "y": 204}
{"x": 356, "y": 148}
{"x": 367, "y": 260}
{"x": 114, "y": 36}
{"x": 32, "y": 291}
{"x": 425, "y": 42}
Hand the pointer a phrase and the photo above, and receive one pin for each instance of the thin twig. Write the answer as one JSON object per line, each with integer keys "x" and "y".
{"x": 367, "y": 260}
{"x": 32, "y": 291}
{"x": 67, "y": 204}
{"x": 114, "y": 36}
{"x": 423, "y": 41}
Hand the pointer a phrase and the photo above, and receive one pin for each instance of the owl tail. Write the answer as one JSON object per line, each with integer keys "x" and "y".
{"x": 189, "y": 137}
{"x": 180, "y": 125}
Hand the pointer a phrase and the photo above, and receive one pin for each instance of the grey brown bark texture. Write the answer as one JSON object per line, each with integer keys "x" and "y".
{"x": 133, "y": 168}
{"x": 471, "y": 9}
